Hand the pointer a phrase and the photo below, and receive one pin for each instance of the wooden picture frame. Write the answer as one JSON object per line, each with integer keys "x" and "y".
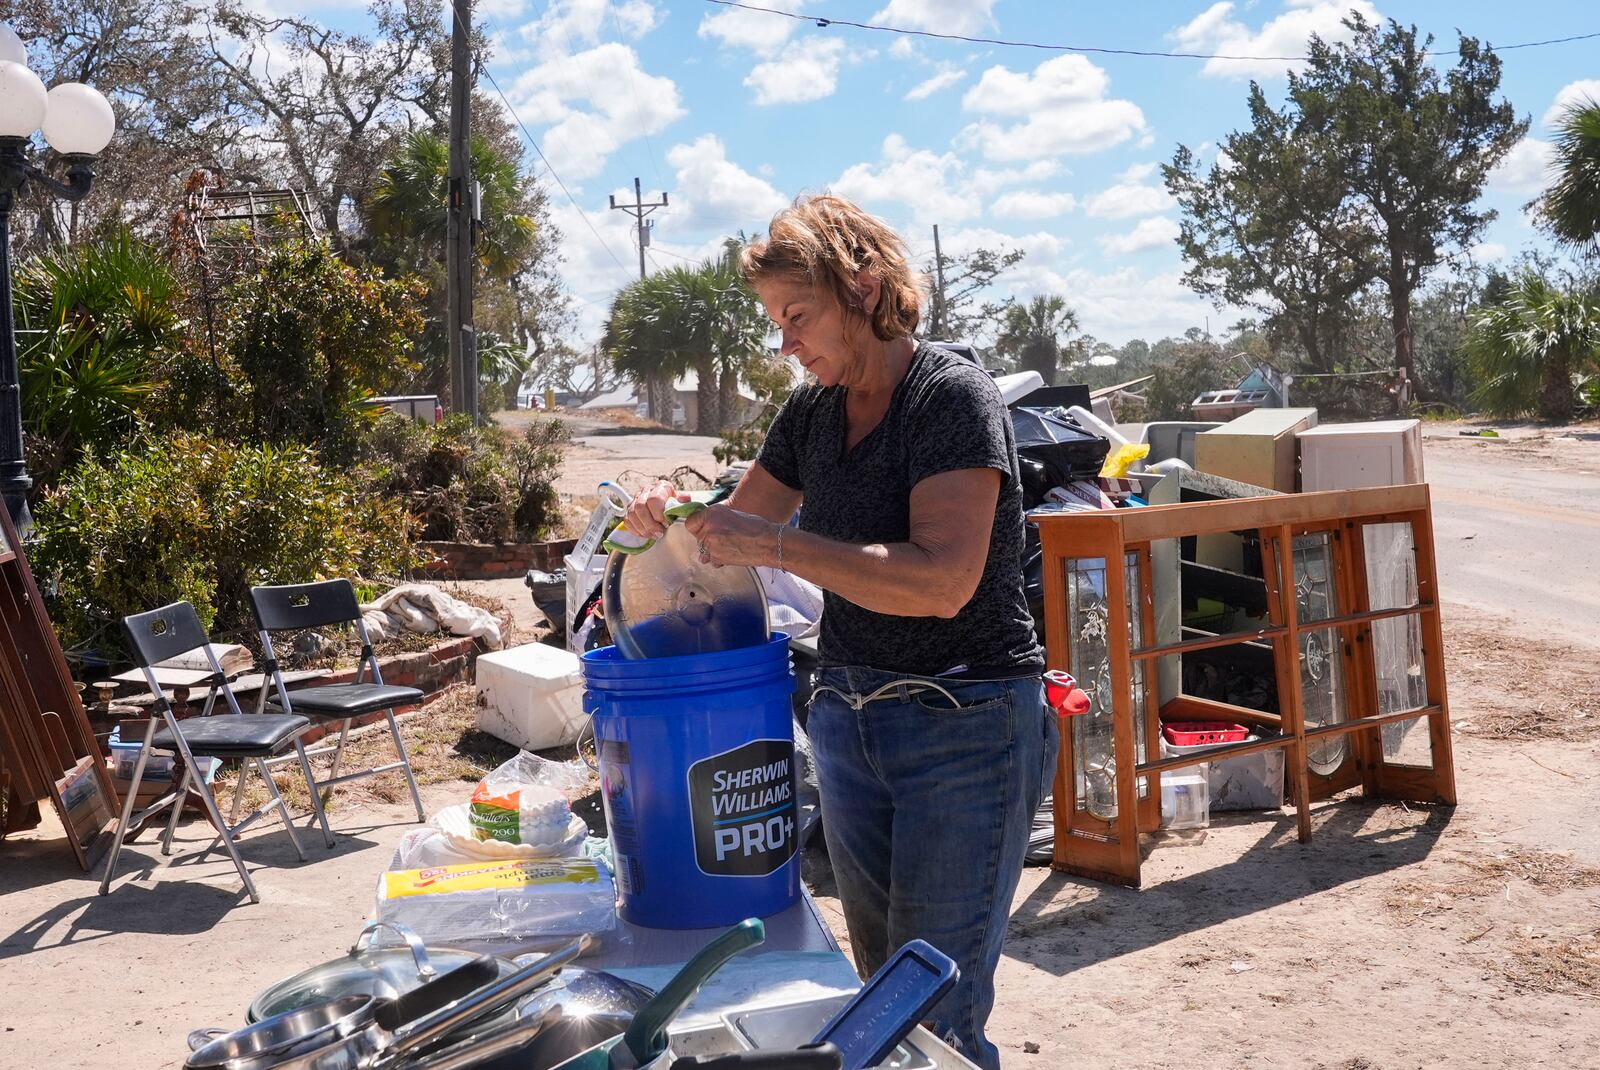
{"x": 46, "y": 742}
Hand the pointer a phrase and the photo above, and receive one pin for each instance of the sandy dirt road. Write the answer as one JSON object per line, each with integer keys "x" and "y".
{"x": 1517, "y": 528}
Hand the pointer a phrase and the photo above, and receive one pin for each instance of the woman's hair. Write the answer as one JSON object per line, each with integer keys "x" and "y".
{"x": 826, "y": 241}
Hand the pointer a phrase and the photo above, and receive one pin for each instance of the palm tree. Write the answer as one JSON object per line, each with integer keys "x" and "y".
{"x": 97, "y": 325}
{"x": 1031, "y": 334}
{"x": 702, "y": 318}
{"x": 1526, "y": 349}
{"x": 1571, "y": 207}
{"x": 406, "y": 213}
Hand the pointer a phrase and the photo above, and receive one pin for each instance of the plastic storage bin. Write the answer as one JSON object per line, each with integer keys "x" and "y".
{"x": 1186, "y": 798}
{"x": 124, "y": 756}
{"x": 1244, "y": 781}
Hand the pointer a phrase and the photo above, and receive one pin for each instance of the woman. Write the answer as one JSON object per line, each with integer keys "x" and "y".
{"x": 928, "y": 720}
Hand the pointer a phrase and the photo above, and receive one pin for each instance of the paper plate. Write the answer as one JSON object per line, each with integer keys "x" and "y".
{"x": 456, "y": 825}
{"x": 664, "y": 603}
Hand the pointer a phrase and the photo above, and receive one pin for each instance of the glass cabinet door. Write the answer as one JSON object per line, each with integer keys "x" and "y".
{"x": 1088, "y": 627}
{"x": 1322, "y": 683}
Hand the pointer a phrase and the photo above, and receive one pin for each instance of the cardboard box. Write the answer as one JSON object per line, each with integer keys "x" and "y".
{"x": 1260, "y": 448}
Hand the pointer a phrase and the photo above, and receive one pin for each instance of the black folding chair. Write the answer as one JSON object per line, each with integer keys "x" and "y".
{"x": 314, "y": 605}
{"x": 165, "y": 633}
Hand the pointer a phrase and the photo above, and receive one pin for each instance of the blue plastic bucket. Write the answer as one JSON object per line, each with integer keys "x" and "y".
{"x": 697, "y": 773}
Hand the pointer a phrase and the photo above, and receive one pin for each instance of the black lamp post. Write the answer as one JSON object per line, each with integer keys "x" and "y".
{"x": 77, "y": 122}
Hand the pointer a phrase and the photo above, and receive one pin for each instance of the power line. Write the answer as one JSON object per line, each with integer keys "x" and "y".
{"x": 484, "y": 67}
{"x": 824, "y": 23}
{"x": 634, "y": 89}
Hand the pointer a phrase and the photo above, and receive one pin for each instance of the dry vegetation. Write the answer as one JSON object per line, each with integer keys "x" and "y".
{"x": 1568, "y": 966}
{"x": 1519, "y": 691}
{"x": 1490, "y": 875}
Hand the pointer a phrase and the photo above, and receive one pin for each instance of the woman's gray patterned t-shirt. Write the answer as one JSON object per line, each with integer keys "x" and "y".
{"x": 946, "y": 415}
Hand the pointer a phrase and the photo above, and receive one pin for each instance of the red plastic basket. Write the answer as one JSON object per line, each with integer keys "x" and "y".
{"x": 1203, "y": 733}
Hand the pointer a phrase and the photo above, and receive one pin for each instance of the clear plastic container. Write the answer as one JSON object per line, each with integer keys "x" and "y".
{"x": 1186, "y": 798}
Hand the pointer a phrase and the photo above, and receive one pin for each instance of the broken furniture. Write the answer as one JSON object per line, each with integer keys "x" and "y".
{"x": 1325, "y": 639}
{"x": 1258, "y": 447}
{"x": 154, "y": 637}
{"x": 47, "y": 747}
{"x": 1381, "y": 453}
{"x": 296, "y": 607}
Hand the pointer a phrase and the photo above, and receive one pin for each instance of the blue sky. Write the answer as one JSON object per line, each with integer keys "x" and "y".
{"x": 735, "y": 112}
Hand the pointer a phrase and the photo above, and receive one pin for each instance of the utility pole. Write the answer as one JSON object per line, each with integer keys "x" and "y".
{"x": 639, "y": 209}
{"x": 940, "y": 329}
{"x": 460, "y": 212}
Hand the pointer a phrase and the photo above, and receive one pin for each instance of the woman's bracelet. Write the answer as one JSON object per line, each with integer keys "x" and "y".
{"x": 780, "y": 548}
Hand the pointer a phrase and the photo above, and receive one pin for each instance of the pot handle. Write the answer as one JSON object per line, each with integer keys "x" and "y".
{"x": 419, "y": 954}
{"x": 201, "y": 1037}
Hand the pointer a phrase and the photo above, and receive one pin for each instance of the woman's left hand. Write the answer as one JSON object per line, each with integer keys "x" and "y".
{"x": 729, "y": 537}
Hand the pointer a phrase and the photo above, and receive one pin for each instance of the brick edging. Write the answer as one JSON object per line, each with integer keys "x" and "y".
{"x": 492, "y": 561}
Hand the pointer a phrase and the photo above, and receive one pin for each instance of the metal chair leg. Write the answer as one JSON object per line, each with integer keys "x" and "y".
{"x": 177, "y": 809}
{"x": 238, "y": 792}
{"x": 127, "y": 808}
{"x": 338, "y": 756}
{"x": 405, "y": 763}
{"x": 311, "y": 786}
{"x": 212, "y": 811}
{"x": 283, "y": 807}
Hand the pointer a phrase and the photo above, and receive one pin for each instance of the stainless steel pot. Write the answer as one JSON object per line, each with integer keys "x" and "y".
{"x": 385, "y": 972}
{"x": 268, "y": 1043}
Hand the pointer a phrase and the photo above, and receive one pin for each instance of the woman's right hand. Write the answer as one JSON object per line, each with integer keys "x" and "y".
{"x": 647, "y": 514}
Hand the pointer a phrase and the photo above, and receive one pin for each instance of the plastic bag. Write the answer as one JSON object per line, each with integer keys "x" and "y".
{"x": 1123, "y": 458}
{"x": 547, "y": 897}
{"x": 526, "y": 799}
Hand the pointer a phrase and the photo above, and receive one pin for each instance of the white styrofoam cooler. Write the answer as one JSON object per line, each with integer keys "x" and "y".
{"x": 531, "y": 696}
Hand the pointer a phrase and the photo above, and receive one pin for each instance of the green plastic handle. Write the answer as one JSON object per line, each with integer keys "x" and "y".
{"x": 646, "y": 1037}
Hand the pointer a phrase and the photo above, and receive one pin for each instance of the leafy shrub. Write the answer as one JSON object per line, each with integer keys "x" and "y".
{"x": 310, "y": 337}
{"x": 466, "y": 483}
{"x": 96, "y": 324}
{"x": 189, "y": 517}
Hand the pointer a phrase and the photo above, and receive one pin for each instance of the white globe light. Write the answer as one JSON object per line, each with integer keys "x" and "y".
{"x": 22, "y": 100}
{"x": 11, "y": 50}
{"x": 78, "y": 119}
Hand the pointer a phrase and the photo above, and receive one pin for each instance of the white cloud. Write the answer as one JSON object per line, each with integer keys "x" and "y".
{"x": 1120, "y": 305}
{"x": 1488, "y": 252}
{"x": 943, "y": 80}
{"x": 593, "y": 103}
{"x": 930, "y": 185}
{"x": 807, "y": 72}
{"x": 986, "y": 181}
{"x": 1523, "y": 170}
{"x": 945, "y": 16}
{"x": 569, "y": 25}
{"x": 1062, "y": 107}
{"x": 1032, "y": 204}
{"x": 1214, "y": 30}
{"x": 718, "y": 193}
{"x": 758, "y": 31}
{"x": 1129, "y": 196}
{"x": 1580, "y": 92}
{"x": 1148, "y": 234}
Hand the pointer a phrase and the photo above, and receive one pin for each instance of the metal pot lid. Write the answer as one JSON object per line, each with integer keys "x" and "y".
{"x": 385, "y": 972}
{"x": 664, "y": 603}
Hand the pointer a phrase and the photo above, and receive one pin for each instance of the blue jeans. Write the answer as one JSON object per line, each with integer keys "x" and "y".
{"x": 927, "y": 805}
